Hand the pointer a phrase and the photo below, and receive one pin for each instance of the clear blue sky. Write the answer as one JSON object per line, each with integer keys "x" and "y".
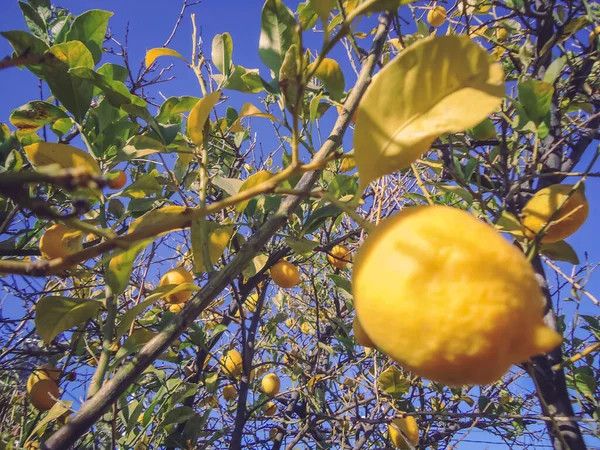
{"x": 151, "y": 22}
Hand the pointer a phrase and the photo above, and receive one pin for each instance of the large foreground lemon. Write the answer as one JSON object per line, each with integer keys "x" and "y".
{"x": 448, "y": 298}
{"x": 553, "y": 204}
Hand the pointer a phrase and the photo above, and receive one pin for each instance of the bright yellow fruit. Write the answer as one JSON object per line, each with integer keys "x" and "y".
{"x": 177, "y": 276}
{"x": 175, "y": 308}
{"x": 229, "y": 392}
{"x": 43, "y": 390}
{"x": 339, "y": 256}
{"x": 306, "y": 328}
{"x": 409, "y": 427}
{"x": 285, "y": 274}
{"x": 360, "y": 335}
{"x": 59, "y": 241}
{"x": 232, "y": 363}
{"x": 436, "y": 16}
{"x": 543, "y": 207}
{"x": 593, "y": 35}
{"x": 502, "y": 34}
{"x": 270, "y": 409}
{"x": 270, "y": 384}
{"x": 251, "y": 302}
{"x": 447, "y": 297}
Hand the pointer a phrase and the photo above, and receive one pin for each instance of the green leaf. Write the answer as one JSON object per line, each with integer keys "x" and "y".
{"x": 90, "y": 28}
{"x": 73, "y": 92}
{"x": 114, "y": 72}
{"x": 554, "y": 69}
{"x": 393, "y": 382}
{"x": 178, "y": 415}
{"x": 244, "y": 80}
{"x": 14, "y": 161}
{"x": 140, "y": 146}
{"x": 256, "y": 265}
{"x": 127, "y": 319}
{"x": 199, "y": 115}
{"x": 136, "y": 341}
{"x": 175, "y": 106}
{"x": 230, "y": 185}
{"x": 320, "y": 216}
{"x": 341, "y": 282}
{"x": 441, "y": 85}
{"x": 222, "y": 51}
{"x": 218, "y": 238}
{"x": 560, "y": 251}
{"x": 36, "y": 114}
{"x": 250, "y": 182}
{"x": 536, "y": 98}
{"x": 330, "y": 74}
{"x": 55, "y": 314}
{"x": 115, "y": 91}
{"x": 289, "y": 76}
{"x": 26, "y": 44}
{"x": 144, "y": 186}
{"x": 301, "y": 246}
{"x": 278, "y": 34}
{"x": 307, "y": 16}
{"x": 34, "y": 21}
{"x": 58, "y": 410}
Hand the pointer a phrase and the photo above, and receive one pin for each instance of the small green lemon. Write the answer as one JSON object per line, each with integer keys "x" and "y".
{"x": 447, "y": 297}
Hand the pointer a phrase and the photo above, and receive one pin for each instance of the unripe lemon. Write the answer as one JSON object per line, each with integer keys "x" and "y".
{"x": 409, "y": 427}
{"x": 542, "y": 208}
{"x": 118, "y": 179}
{"x": 229, "y": 392}
{"x": 59, "y": 241}
{"x": 502, "y": 34}
{"x": 436, "y": 16}
{"x": 43, "y": 390}
{"x": 175, "y": 308}
{"x": 360, "y": 335}
{"x": 339, "y": 256}
{"x": 270, "y": 409}
{"x": 177, "y": 276}
{"x": 594, "y": 35}
{"x": 448, "y": 298}
{"x": 285, "y": 274}
{"x": 270, "y": 384}
{"x": 232, "y": 363}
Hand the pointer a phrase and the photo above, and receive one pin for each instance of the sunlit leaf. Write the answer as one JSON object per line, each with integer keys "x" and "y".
{"x": 330, "y": 74}
{"x": 34, "y": 115}
{"x": 440, "y": 85}
{"x": 90, "y": 28}
{"x": 55, "y": 314}
{"x": 199, "y": 115}
{"x": 249, "y": 110}
{"x": 560, "y": 251}
{"x": 218, "y": 238}
{"x": 393, "y": 382}
{"x": 250, "y": 182}
{"x": 46, "y": 153}
{"x": 222, "y": 51}
{"x": 136, "y": 341}
{"x": 323, "y": 8}
{"x": 278, "y": 33}
{"x": 153, "y": 54}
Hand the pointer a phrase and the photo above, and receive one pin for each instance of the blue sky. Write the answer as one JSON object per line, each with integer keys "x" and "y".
{"x": 151, "y": 22}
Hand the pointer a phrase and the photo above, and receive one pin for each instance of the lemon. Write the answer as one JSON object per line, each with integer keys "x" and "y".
{"x": 270, "y": 409}
{"x": 593, "y": 35}
{"x": 360, "y": 335}
{"x": 544, "y": 206}
{"x": 59, "y": 241}
{"x": 43, "y": 390}
{"x": 285, "y": 274}
{"x": 229, "y": 392}
{"x": 436, "y": 16}
{"x": 402, "y": 431}
{"x": 175, "y": 308}
{"x": 270, "y": 384}
{"x": 177, "y": 276}
{"x": 251, "y": 303}
{"x": 447, "y": 297}
{"x": 502, "y": 34}
{"x": 339, "y": 256}
{"x": 232, "y": 363}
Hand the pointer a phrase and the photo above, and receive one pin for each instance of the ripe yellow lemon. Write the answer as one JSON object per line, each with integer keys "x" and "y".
{"x": 447, "y": 297}
{"x": 502, "y": 34}
{"x": 175, "y": 308}
{"x": 360, "y": 335}
{"x": 59, "y": 241}
{"x": 339, "y": 256}
{"x": 270, "y": 384}
{"x": 177, "y": 276}
{"x": 436, "y": 16}
{"x": 251, "y": 302}
{"x": 543, "y": 208}
{"x": 409, "y": 427}
{"x": 270, "y": 409}
{"x": 229, "y": 392}
{"x": 232, "y": 363}
{"x": 42, "y": 389}
{"x": 285, "y": 274}
{"x": 594, "y": 35}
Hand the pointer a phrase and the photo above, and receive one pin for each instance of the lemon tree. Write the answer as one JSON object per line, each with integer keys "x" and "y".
{"x": 314, "y": 224}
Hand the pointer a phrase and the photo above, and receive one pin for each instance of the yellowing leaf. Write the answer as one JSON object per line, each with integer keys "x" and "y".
{"x": 55, "y": 314}
{"x": 154, "y": 53}
{"x": 59, "y": 409}
{"x": 199, "y": 115}
{"x": 393, "y": 382}
{"x": 441, "y": 85}
{"x": 252, "y": 181}
{"x": 322, "y": 8}
{"x": 67, "y": 157}
{"x": 249, "y": 110}
{"x": 218, "y": 238}
{"x": 330, "y": 74}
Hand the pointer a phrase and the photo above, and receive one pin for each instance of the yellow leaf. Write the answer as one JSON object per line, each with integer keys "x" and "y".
{"x": 199, "y": 115}
{"x": 218, "y": 238}
{"x": 249, "y": 110}
{"x": 330, "y": 74}
{"x": 154, "y": 53}
{"x": 441, "y": 85}
{"x": 254, "y": 180}
{"x": 67, "y": 157}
